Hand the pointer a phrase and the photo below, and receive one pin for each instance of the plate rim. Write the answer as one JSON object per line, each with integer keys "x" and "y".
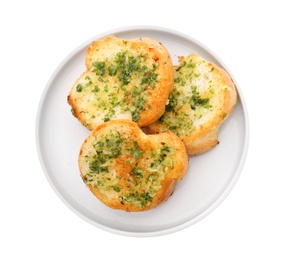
{"x": 218, "y": 200}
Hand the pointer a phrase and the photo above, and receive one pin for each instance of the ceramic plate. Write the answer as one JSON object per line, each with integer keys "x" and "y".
{"x": 209, "y": 180}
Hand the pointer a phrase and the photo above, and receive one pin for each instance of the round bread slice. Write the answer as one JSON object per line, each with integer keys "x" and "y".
{"x": 203, "y": 97}
{"x": 129, "y": 170}
{"x": 125, "y": 79}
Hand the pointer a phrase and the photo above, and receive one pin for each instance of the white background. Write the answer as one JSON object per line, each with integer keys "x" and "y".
{"x": 251, "y": 37}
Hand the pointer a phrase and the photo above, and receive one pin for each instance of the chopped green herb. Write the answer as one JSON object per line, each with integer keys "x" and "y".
{"x": 136, "y": 152}
{"x": 112, "y": 70}
{"x": 99, "y": 67}
{"x": 96, "y": 89}
{"x": 139, "y": 106}
{"x": 137, "y": 172}
{"x": 116, "y": 188}
{"x": 197, "y": 101}
{"x": 79, "y": 88}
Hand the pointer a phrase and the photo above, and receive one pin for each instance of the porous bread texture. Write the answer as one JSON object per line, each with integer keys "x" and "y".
{"x": 202, "y": 99}
{"x": 125, "y": 79}
{"x": 129, "y": 170}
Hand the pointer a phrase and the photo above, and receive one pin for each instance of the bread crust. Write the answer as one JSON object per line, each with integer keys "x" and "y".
{"x": 202, "y": 99}
{"x": 125, "y": 79}
{"x": 129, "y": 170}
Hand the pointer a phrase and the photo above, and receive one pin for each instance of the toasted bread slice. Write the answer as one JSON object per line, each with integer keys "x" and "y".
{"x": 129, "y": 170}
{"x": 125, "y": 79}
{"x": 203, "y": 97}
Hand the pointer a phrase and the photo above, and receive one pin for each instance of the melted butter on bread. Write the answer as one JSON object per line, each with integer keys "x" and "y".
{"x": 129, "y": 170}
{"x": 125, "y": 79}
{"x": 203, "y": 97}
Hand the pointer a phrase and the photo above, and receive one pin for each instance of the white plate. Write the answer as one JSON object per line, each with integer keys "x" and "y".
{"x": 210, "y": 178}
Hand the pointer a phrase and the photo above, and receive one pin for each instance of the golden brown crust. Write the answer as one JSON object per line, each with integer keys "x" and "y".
{"x": 125, "y": 79}
{"x": 203, "y": 97}
{"x": 129, "y": 170}
{"x": 231, "y": 96}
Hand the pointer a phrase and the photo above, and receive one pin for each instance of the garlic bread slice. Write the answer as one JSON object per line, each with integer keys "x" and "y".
{"x": 129, "y": 170}
{"x": 125, "y": 79}
{"x": 203, "y": 97}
